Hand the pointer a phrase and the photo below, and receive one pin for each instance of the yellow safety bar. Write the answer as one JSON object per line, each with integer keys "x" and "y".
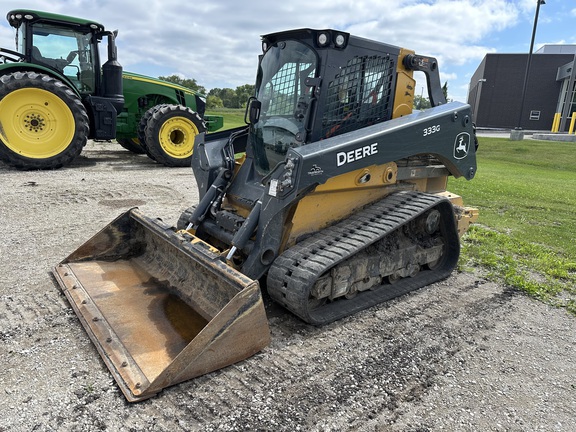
{"x": 556, "y": 122}
{"x": 572, "y": 123}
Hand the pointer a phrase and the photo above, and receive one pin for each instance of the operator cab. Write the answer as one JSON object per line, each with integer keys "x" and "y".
{"x": 303, "y": 69}
{"x": 68, "y": 48}
{"x": 68, "y": 51}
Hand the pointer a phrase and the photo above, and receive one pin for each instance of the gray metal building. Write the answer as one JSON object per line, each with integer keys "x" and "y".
{"x": 495, "y": 90}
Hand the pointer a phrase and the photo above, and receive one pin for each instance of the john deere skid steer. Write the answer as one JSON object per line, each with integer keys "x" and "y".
{"x": 333, "y": 198}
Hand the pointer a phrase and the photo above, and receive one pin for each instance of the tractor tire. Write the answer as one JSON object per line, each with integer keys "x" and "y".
{"x": 43, "y": 122}
{"x": 131, "y": 144}
{"x": 141, "y": 130}
{"x": 170, "y": 134}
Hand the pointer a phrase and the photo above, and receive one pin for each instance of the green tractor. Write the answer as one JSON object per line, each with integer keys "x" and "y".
{"x": 55, "y": 95}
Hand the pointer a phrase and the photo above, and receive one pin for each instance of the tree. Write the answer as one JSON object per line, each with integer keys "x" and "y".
{"x": 421, "y": 102}
{"x": 233, "y": 98}
{"x": 213, "y": 102}
{"x": 227, "y": 95}
{"x": 243, "y": 93}
{"x": 191, "y": 83}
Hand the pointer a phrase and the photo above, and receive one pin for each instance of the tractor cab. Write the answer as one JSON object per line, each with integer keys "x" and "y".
{"x": 67, "y": 51}
{"x": 67, "y": 48}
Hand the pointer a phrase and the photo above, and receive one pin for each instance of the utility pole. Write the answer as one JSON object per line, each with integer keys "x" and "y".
{"x": 517, "y": 134}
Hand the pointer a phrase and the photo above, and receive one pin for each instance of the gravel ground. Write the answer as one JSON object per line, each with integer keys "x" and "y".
{"x": 463, "y": 354}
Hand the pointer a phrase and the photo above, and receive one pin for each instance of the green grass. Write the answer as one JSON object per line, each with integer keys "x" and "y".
{"x": 525, "y": 236}
{"x": 232, "y": 117}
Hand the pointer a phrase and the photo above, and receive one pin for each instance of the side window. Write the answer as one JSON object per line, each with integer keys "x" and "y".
{"x": 359, "y": 95}
{"x": 85, "y": 64}
{"x": 66, "y": 51}
{"x": 53, "y": 49}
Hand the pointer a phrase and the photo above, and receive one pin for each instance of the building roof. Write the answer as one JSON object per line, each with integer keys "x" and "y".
{"x": 557, "y": 49}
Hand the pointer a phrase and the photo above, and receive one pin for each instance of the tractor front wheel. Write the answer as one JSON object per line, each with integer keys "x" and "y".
{"x": 170, "y": 134}
{"x": 43, "y": 124}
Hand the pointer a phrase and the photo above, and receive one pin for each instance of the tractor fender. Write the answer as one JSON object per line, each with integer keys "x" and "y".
{"x": 8, "y": 68}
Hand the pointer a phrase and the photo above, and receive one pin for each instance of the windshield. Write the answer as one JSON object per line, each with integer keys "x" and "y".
{"x": 67, "y": 51}
{"x": 285, "y": 97}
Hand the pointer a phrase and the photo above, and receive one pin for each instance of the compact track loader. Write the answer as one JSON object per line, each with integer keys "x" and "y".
{"x": 333, "y": 199}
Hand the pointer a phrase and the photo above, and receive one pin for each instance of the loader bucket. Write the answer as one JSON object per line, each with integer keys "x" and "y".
{"x": 159, "y": 307}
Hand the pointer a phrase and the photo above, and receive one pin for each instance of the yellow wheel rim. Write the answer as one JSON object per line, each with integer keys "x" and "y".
{"x": 177, "y": 137}
{"x": 35, "y": 123}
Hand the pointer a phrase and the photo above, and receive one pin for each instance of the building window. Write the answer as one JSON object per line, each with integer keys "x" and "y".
{"x": 534, "y": 115}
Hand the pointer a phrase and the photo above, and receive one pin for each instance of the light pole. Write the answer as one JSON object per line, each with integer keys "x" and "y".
{"x": 517, "y": 133}
{"x": 477, "y": 101}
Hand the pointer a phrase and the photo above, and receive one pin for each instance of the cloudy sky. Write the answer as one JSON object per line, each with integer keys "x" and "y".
{"x": 217, "y": 42}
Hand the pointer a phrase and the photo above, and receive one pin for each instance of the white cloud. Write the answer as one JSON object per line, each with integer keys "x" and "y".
{"x": 217, "y": 42}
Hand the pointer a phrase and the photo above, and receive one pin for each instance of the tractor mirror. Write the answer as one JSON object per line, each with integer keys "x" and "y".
{"x": 253, "y": 109}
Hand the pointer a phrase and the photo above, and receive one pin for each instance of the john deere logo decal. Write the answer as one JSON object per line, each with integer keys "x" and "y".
{"x": 461, "y": 145}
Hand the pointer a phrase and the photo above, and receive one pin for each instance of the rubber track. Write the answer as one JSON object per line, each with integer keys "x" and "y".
{"x": 294, "y": 272}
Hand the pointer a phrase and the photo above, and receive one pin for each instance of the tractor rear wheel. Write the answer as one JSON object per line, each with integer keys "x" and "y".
{"x": 43, "y": 122}
{"x": 170, "y": 134}
{"x": 141, "y": 131}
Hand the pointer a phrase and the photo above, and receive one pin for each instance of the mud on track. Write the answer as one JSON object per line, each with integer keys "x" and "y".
{"x": 462, "y": 354}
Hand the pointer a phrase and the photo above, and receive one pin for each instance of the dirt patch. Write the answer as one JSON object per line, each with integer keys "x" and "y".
{"x": 462, "y": 354}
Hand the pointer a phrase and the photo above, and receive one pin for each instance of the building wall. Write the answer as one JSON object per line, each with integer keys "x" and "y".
{"x": 500, "y": 95}
{"x": 475, "y": 89}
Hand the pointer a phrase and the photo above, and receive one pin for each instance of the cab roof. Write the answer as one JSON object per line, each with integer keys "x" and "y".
{"x": 17, "y": 16}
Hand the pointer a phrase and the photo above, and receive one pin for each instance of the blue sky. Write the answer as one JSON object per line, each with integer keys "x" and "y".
{"x": 218, "y": 42}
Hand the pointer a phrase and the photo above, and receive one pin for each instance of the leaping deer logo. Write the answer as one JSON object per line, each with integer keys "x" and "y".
{"x": 461, "y": 145}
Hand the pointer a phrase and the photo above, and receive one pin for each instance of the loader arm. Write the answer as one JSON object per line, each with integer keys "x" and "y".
{"x": 445, "y": 132}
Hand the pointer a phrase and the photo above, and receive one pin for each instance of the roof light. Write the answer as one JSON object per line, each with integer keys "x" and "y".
{"x": 264, "y": 46}
{"x": 323, "y": 39}
{"x": 93, "y": 26}
{"x": 28, "y": 17}
{"x": 18, "y": 16}
{"x": 340, "y": 40}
